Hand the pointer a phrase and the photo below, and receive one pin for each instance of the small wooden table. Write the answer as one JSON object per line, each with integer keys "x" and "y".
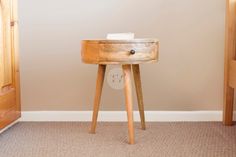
{"x": 128, "y": 53}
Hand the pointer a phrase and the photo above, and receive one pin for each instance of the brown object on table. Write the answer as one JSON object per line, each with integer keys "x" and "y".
{"x": 129, "y": 54}
{"x": 230, "y": 62}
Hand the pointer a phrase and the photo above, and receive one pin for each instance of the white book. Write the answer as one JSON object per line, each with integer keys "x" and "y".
{"x": 120, "y": 36}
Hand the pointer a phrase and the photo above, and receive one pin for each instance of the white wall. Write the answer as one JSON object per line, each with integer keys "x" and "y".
{"x": 189, "y": 75}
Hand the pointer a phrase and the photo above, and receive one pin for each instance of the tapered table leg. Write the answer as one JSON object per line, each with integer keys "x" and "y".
{"x": 128, "y": 101}
{"x": 138, "y": 86}
{"x": 99, "y": 85}
{"x": 228, "y": 106}
{"x": 230, "y": 54}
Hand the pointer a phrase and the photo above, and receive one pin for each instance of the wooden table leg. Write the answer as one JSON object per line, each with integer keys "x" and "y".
{"x": 228, "y": 106}
{"x": 229, "y": 71}
{"x": 99, "y": 85}
{"x": 128, "y": 101}
{"x": 138, "y": 86}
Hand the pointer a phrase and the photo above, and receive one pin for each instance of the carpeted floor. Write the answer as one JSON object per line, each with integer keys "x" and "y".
{"x": 61, "y": 139}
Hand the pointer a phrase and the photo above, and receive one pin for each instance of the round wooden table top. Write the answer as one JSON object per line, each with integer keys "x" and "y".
{"x": 113, "y": 41}
{"x": 133, "y": 51}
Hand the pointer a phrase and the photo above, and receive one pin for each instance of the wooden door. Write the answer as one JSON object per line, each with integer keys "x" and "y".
{"x": 9, "y": 69}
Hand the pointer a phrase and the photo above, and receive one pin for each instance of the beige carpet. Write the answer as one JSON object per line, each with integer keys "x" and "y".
{"x": 159, "y": 140}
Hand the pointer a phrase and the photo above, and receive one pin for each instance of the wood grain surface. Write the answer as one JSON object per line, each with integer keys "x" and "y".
{"x": 119, "y": 51}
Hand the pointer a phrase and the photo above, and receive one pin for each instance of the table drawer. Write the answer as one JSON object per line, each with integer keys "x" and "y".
{"x": 120, "y": 52}
{"x": 128, "y": 52}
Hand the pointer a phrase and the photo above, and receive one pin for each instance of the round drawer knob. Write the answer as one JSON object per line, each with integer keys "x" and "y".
{"x": 132, "y": 52}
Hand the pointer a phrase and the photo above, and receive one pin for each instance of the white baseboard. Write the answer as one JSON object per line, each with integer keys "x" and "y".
{"x": 120, "y": 116}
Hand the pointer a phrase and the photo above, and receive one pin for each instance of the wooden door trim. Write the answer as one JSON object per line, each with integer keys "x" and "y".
{"x": 9, "y": 112}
